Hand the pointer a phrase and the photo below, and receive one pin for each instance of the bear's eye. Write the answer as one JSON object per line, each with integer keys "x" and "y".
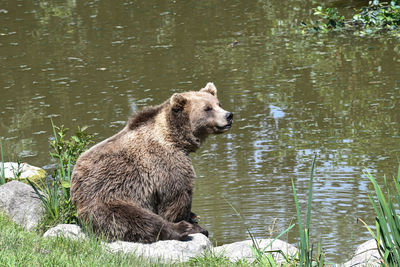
{"x": 219, "y": 104}
{"x": 208, "y": 108}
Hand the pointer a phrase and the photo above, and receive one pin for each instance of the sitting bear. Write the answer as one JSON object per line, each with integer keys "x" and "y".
{"x": 137, "y": 185}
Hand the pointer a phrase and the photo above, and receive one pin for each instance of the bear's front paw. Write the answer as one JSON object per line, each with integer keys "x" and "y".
{"x": 186, "y": 227}
{"x": 199, "y": 229}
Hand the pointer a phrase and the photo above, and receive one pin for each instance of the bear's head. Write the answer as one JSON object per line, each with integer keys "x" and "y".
{"x": 197, "y": 114}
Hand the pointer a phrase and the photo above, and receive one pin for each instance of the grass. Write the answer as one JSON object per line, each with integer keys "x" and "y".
{"x": 2, "y": 175}
{"x": 21, "y": 248}
{"x": 306, "y": 249}
{"x": 386, "y": 206}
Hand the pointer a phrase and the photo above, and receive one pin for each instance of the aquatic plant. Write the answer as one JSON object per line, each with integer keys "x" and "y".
{"x": 306, "y": 249}
{"x": 331, "y": 19}
{"x": 387, "y": 234}
{"x": 305, "y": 256}
{"x": 372, "y": 19}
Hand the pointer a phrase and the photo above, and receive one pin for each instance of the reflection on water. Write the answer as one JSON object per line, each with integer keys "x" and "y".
{"x": 293, "y": 96}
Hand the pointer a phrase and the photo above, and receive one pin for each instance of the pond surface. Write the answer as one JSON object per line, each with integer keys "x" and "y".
{"x": 337, "y": 96}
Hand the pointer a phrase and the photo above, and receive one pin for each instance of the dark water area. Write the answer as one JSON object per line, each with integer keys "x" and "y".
{"x": 94, "y": 63}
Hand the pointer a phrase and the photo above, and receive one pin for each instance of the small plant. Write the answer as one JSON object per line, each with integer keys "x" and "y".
{"x": 305, "y": 248}
{"x": 55, "y": 195}
{"x": 2, "y": 174}
{"x": 387, "y": 234}
{"x": 68, "y": 150}
{"x": 17, "y": 171}
{"x": 56, "y": 198}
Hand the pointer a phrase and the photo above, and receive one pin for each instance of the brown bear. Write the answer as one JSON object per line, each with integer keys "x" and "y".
{"x": 137, "y": 185}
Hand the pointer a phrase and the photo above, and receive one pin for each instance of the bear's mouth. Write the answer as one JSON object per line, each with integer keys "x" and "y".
{"x": 225, "y": 127}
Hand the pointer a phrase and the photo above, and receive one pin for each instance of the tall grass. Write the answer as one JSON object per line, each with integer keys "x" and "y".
{"x": 306, "y": 249}
{"x": 387, "y": 234}
{"x": 56, "y": 198}
{"x": 263, "y": 255}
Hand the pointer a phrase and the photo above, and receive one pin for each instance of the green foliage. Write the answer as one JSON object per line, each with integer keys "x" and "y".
{"x": 56, "y": 199}
{"x": 378, "y": 18}
{"x": 387, "y": 220}
{"x": 331, "y": 19}
{"x": 2, "y": 175}
{"x": 305, "y": 248}
{"x": 56, "y": 196}
{"x": 68, "y": 150}
{"x": 372, "y": 19}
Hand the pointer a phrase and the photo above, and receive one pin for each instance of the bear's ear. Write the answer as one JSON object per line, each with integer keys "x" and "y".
{"x": 210, "y": 88}
{"x": 178, "y": 102}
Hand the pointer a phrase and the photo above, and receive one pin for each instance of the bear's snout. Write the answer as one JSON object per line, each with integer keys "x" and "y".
{"x": 229, "y": 117}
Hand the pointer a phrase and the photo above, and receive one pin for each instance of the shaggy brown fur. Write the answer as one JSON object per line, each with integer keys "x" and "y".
{"x": 137, "y": 185}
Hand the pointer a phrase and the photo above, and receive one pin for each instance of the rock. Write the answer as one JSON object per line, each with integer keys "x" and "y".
{"x": 71, "y": 231}
{"x": 365, "y": 255}
{"x": 242, "y": 250}
{"x": 20, "y": 202}
{"x": 165, "y": 250}
{"x": 22, "y": 172}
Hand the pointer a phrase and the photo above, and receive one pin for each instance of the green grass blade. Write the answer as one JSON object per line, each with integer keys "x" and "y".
{"x": 387, "y": 221}
{"x": 296, "y": 201}
{"x": 45, "y": 201}
{"x": 69, "y": 169}
{"x": 369, "y": 229}
{"x": 310, "y": 193}
{"x": 303, "y": 246}
{"x": 54, "y": 130}
{"x": 281, "y": 234}
{"x": 2, "y": 173}
{"x": 398, "y": 174}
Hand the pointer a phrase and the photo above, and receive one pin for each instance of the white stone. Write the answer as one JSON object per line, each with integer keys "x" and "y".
{"x": 71, "y": 231}
{"x": 20, "y": 202}
{"x": 243, "y": 250}
{"x": 166, "y": 250}
{"x": 22, "y": 171}
{"x": 366, "y": 254}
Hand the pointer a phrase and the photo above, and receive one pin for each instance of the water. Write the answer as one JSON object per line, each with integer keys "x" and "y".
{"x": 95, "y": 63}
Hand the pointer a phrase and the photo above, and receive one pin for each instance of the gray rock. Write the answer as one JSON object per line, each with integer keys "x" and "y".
{"x": 72, "y": 231}
{"x": 166, "y": 250}
{"x": 20, "y": 202}
{"x": 22, "y": 172}
{"x": 365, "y": 255}
{"x": 242, "y": 250}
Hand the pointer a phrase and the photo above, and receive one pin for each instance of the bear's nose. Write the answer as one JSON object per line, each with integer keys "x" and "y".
{"x": 229, "y": 117}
